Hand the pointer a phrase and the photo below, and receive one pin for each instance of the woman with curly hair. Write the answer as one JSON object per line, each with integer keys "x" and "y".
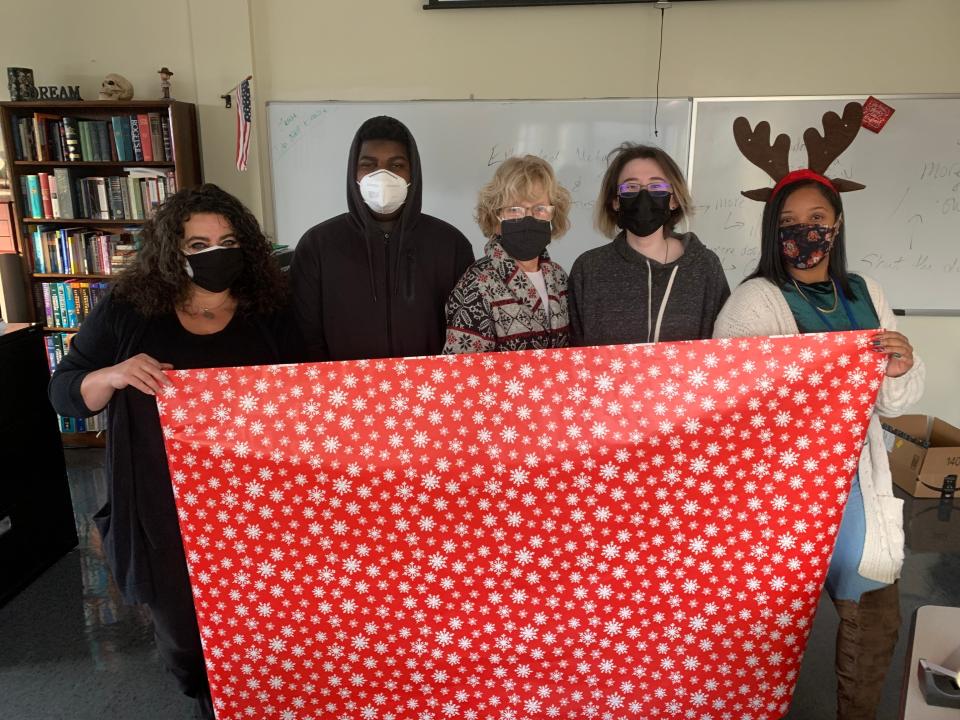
{"x": 204, "y": 292}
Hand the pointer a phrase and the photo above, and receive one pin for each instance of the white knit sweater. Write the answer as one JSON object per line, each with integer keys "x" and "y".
{"x": 757, "y": 307}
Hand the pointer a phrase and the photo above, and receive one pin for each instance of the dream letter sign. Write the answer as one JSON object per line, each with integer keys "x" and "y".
{"x": 618, "y": 532}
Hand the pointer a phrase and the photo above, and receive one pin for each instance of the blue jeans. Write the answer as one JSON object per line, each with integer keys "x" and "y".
{"x": 844, "y": 582}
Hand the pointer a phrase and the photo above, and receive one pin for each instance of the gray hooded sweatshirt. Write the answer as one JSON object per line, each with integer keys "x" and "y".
{"x": 617, "y": 295}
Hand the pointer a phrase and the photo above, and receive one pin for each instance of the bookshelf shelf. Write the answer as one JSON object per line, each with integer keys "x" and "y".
{"x": 73, "y": 149}
{"x": 79, "y": 221}
{"x": 90, "y": 439}
{"x": 74, "y": 276}
{"x": 100, "y": 164}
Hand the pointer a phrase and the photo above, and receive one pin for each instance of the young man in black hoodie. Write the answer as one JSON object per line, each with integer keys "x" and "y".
{"x": 372, "y": 282}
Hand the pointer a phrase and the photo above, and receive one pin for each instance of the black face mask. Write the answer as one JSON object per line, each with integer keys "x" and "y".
{"x": 526, "y": 238}
{"x": 215, "y": 270}
{"x": 644, "y": 213}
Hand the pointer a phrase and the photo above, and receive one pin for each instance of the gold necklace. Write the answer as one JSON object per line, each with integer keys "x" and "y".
{"x": 207, "y": 312}
{"x": 836, "y": 298}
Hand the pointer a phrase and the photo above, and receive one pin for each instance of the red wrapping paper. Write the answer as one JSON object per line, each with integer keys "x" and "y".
{"x": 617, "y": 532}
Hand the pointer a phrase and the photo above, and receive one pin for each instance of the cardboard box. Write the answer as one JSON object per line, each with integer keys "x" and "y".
{"x": 922, "y": 451}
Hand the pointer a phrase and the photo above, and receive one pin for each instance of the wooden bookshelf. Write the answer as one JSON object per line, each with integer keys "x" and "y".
{"x": 180, "y": 161}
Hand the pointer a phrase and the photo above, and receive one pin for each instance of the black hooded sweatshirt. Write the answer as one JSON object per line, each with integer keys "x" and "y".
{"x": 361, "y": 291}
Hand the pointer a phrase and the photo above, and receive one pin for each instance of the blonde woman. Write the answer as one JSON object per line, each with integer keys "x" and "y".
{"x": 650, "y": 283}
{"x": 514, "y": 298}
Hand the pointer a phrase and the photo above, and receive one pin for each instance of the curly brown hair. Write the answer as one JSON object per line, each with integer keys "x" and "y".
{"x": 157, "y": 282}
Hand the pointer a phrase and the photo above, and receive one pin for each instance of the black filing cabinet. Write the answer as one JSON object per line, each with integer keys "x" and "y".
{"x": 36, "y": 515}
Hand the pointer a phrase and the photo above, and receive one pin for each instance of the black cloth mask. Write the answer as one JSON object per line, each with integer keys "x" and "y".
{"x": 804, "y": 245}
{"x": 526, "y": 238}
{"x": 644, "y": 213}
{"x": 215, "y": 270}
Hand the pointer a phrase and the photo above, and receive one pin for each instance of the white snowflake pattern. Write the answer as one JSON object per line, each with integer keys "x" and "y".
{"x": 555, "y": 534}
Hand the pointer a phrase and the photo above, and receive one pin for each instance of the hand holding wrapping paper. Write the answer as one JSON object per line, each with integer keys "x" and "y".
{"x": 616, "y": 532}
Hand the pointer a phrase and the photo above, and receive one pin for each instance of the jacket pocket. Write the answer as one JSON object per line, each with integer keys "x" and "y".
{"x": 891, "y": 509}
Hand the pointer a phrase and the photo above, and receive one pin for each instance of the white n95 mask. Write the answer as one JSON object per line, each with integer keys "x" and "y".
{"x": 383, "y": 191}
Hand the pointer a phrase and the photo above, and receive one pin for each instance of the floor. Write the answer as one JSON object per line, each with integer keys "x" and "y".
{"x": 70, "y": 649}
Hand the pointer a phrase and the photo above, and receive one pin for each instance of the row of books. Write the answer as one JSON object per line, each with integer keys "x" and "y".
{"x": 134, "y": 196}
{"x": 67, "y": 304}
{"x": 57, "y": 345}
{"x": 83, "y": 251}
{"x": 144, "y": 137}
{"x": 97, "y": 423}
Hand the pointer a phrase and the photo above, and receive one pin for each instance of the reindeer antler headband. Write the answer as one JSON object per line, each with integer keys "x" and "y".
{"x": 822, "y": 150}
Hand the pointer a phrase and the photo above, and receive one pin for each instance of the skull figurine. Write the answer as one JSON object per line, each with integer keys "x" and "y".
{"x": 115, "y": 87}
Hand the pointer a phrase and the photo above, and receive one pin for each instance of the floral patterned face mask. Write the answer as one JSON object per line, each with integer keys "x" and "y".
{"x": 804, "y": 245}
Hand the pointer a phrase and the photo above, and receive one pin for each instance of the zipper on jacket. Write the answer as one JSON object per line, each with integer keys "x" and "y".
{"x": 386, "y": 263}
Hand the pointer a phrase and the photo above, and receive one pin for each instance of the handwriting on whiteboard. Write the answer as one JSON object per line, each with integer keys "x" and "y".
{"x": 290, "y": 127}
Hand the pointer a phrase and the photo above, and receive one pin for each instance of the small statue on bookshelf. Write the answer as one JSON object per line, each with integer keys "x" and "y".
{"x": 165, "y": 75}
{"x": 115, "y": 87}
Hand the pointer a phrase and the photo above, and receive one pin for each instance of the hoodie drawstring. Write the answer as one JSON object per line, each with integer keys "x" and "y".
{"x": 663, "y": 302}
{"x": 373, "y": 282}
{"x": 396, "y": 265}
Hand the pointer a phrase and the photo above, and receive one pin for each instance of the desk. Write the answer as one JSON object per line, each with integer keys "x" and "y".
{"x": 935, "y": 635}
{"x": 36, "y": 515}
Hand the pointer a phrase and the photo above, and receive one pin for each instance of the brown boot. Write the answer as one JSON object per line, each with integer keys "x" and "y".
{"x": 865, "y": 641}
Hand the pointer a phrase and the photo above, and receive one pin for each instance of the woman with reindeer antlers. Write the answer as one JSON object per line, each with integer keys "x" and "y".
{"x": 801, "y": 284}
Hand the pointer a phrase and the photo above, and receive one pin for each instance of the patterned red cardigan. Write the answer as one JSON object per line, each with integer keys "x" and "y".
{"x": 495, "y": 307}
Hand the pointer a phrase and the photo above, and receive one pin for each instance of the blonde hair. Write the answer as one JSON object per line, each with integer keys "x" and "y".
{"x": 514, "y": 180}
{"x": 605, "y": 217}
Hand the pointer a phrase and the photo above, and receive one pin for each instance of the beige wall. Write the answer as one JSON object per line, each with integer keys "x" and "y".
{"x": 205, "y": 42}
{"x": 223, "y": 54}
{"x": 77, "y": 43}
{"x": 392, "y": 49}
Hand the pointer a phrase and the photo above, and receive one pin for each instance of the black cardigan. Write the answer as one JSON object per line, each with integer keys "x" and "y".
{"x": 140, "y": 515}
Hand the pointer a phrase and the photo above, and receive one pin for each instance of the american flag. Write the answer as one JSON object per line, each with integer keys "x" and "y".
{"x": 243, "y": 123}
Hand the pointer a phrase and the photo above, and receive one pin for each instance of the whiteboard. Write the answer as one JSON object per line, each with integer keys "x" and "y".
{"x": 903, "y": 229}
{"x": 460, "y": 143}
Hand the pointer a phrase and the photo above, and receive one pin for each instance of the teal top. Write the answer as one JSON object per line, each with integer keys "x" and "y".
{"x": 856, "y": 314}
{"x": 843, "y": 581}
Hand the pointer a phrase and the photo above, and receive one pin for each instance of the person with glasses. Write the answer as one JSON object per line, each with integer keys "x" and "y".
{"x": 515, "y": 297}
{"x": 650, "y": 283}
